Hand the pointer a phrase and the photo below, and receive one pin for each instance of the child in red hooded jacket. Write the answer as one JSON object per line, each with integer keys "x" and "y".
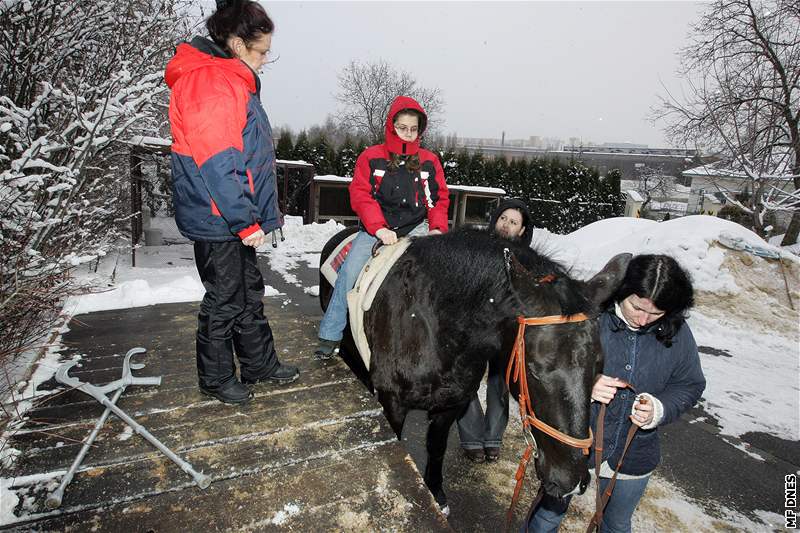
{"x": 398, "y": 190}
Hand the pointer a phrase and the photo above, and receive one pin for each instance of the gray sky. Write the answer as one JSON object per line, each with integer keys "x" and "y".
{"x": 590, "y": 70}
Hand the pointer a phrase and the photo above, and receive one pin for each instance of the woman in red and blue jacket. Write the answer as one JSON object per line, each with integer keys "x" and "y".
{"x": 224, "y": 192}
{"x": 398, "y": 189}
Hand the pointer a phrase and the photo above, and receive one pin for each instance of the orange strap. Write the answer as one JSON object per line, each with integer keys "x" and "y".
{"x": 520, "y": 477}
{"x": 516, "y": 366}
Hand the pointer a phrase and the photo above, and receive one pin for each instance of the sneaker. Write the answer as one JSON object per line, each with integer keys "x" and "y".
{"x": 281, "y": 375}
{"x": 492, "y": 453}
{"x": 326, "y": 349}
{"x": 475, "y": 455}
{"x": 232, "y": 392}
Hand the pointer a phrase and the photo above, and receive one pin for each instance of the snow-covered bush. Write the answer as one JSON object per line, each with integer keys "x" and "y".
{"x": 79, "y": 79}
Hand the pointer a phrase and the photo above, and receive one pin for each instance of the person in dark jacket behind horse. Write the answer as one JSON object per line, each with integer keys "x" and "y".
{"x": 482, "y": 435}
{"x": 648, "y": 344}
{"x": 398, "y": 190}
{"x": 224, "y": 191}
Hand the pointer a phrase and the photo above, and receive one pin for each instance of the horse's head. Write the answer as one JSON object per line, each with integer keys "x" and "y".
{"x": 561, "y": 361}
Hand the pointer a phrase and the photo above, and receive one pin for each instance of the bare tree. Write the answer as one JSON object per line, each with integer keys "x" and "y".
{"x": 654, "y": 184}
{"x": 742, "y": 101}
{"x": 366, "y": 91}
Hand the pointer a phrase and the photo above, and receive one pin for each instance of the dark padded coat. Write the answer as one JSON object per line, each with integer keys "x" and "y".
{"x": 671, "y": 374}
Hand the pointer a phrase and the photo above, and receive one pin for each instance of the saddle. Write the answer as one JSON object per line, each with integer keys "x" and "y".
{"x": 359, "y": 299}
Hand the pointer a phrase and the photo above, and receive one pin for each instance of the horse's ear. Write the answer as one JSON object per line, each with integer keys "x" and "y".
{"x": 602, "y": 286}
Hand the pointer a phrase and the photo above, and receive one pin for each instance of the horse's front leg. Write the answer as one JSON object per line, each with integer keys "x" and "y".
{"x": 394, "y": 410}
{"x": 438, "y": 430}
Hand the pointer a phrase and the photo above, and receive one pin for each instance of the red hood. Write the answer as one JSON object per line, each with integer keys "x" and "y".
{"x": 393, "y": 142}
{"x": 188, "y": 58}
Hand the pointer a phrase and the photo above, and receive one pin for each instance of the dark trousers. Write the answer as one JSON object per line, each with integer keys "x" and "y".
{"x": 231, "y": 315}
{"x": 478, "y": 431}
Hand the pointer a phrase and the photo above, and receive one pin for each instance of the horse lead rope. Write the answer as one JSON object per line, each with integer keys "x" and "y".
{"x": 601, "y": 499}
{"x": 516, "y": 365}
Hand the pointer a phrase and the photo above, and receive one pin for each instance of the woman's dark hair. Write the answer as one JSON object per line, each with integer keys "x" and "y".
{"x": 238, "y": 18}
{"x": 660, "y": 279}
{"x": 411, "y": 162}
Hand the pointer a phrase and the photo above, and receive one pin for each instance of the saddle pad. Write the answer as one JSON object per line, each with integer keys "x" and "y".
{"x": 330, "y": 268}
{"x": 359, "y": 299}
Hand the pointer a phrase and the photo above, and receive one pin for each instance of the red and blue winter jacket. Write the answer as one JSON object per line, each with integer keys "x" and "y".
{"x": 223, "y": 155}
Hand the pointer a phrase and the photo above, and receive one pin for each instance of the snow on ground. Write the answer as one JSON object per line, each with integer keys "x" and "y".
{"x": 303, "y": 244}
{"x": 744, "y": 312}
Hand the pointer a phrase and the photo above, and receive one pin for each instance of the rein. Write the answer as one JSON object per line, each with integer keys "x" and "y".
{"x": 516, "y": 366}
{"x": 601, "y": 499}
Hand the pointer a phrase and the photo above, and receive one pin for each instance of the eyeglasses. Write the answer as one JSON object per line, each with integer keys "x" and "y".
{"x": 402, "y": 128}
{"x": 259, "y": 51}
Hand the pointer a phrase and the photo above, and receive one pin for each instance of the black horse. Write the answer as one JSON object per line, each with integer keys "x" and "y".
{"x": 449, "y": 305}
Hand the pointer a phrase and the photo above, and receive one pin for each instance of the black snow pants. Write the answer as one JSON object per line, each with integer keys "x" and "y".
{"x": 231, "y": 315}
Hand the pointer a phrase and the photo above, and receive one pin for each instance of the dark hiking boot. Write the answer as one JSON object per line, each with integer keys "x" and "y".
{"x": 281, "y": 375}
{"x": 231, "y": 392}
{"x": 475, "y": 455}
{"x": 492, "y": 453}
{"x": 326, "y": 349}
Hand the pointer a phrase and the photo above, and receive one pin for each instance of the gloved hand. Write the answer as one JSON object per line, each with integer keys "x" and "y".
{"x": 255, "y": 239}
{"x": 386, "y": 236}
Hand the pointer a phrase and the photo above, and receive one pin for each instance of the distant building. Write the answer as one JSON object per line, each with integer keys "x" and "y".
{"x": 633, "y": 203}
{"x": 716, "y": 181}
{"x": 670, "y": 161}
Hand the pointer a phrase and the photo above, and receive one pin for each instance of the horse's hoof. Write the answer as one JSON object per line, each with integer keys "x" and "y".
{"x": 445, "y": 511}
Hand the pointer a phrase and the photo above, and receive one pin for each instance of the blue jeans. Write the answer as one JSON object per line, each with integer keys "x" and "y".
{"x": 616, "y": 517}
{"x": 476, "y": 431}
{"x": 333, "y": 323}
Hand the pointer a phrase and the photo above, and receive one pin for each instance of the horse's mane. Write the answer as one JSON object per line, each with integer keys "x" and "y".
{"x": 468, "y": 267}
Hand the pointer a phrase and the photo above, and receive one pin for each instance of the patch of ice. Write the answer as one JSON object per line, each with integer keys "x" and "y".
{"x": 746, "y": 449}
{"x": 290, "y": 509}
{"x": 126, "y": 433}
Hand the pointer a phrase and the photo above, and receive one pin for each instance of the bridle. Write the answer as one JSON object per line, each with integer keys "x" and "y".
{"x": 516, "y": 367}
